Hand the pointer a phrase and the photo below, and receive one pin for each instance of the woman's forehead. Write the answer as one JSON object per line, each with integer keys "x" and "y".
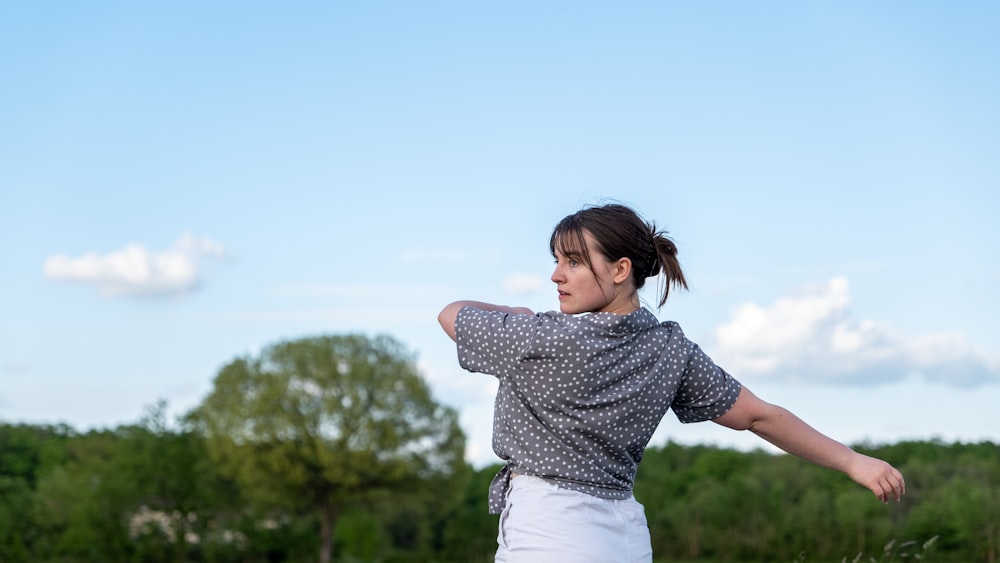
{"x": 574, "y": 243}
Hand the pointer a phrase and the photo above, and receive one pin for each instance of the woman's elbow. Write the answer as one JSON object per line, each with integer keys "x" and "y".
{"x": 447, "y": 317}
{"x": 745, "y": 413}
{"x": 734, "y": 421}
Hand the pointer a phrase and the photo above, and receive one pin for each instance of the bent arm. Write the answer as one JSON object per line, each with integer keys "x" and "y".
{"x": 448, "y": 315}
{"x": 790, "y": 433}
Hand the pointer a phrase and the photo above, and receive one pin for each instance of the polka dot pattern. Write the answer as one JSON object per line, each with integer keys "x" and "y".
{"x": 581, "y": 395}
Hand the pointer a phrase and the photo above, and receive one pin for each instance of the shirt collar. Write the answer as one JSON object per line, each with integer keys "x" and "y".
{"x": 638, "y": 320}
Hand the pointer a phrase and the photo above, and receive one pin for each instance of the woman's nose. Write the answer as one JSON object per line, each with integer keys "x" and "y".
{"x": 556, "y": 274}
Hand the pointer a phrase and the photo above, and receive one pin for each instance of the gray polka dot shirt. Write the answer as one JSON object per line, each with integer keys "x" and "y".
{"x": 581, "y": 395}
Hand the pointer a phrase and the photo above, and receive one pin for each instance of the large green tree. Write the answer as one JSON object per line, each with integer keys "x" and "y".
{"x": 322, "y": 424}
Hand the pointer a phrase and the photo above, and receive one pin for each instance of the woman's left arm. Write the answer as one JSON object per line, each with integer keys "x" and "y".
{"x": 790, "y": 433}
{"x": 449, "y": 314}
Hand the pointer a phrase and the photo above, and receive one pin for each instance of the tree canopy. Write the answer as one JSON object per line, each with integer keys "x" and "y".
{"x": 321, "y": 423}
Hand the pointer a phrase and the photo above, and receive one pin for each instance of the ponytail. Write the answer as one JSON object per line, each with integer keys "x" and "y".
{"x": 665, "y": 260}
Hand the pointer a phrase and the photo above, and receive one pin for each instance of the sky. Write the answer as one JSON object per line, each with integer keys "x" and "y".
{"x": 185, "y": 183}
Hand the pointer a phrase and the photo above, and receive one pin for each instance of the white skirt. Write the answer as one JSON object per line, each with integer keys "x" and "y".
{"x": 545, "y": 524}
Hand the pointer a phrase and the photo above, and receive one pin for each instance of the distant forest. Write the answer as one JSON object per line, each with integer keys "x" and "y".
{"x": 333, "y": 449}
{"x": 148, "y": 493}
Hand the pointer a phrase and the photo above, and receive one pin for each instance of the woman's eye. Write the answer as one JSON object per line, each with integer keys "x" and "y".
{"x": 567, "y": 261}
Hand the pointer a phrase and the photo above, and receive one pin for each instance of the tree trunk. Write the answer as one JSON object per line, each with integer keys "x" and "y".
{"x": 328, "y": 519}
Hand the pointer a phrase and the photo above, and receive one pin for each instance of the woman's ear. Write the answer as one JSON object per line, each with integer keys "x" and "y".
{"x": 622, "y": 270}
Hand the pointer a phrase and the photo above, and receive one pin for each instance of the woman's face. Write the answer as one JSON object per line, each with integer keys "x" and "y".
{"x": 605, "y": 288}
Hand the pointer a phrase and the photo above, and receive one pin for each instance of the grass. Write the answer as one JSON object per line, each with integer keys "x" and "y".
{"x": 904, "y": 550}
{"x": 891, "y": 552}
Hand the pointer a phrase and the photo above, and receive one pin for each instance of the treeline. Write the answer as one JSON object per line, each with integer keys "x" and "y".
{"x": 712, "y": 504}
{"x": 150, "y": 492}
{"x": 332, "y": 448}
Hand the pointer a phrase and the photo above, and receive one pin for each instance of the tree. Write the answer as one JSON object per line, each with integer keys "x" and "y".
{"x": 172, "y": 497}
{"x": 319, "y": 424}
{"x": 81, "y": 502}
{"x": 469, "y": 530}
{"x": 25, "y": 453}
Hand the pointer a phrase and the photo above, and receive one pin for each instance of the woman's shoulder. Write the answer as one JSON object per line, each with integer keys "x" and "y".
{"x": 646, "y": 318}
{"x": 672, "y": 326}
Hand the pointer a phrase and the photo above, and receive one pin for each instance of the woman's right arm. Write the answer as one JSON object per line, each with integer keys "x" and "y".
{"x": 449, "y": 314}
{"x": 790, "y": 433}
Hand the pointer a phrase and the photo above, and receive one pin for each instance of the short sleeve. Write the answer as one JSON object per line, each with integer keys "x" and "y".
{"x": 492, "y": 341}
{"x": 706, "y": 391}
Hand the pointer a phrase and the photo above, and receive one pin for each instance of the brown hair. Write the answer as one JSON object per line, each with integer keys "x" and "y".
{"x": 620, "y": 233}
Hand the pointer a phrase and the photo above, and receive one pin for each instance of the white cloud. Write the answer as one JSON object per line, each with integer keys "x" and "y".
{"x": 813, "y": 336}
{"x": 523, "y": 283}
{"x": 135, "y": 271}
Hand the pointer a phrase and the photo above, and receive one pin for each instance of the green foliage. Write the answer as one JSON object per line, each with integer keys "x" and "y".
{"x": 151, "y": 492}
{"x": 15, "y": 503}
{"x": 26, "y": 452}
{"x": 469, "y": 531}
{"x": 157, "y": 492}
{"x": 319, "y": 425}
{"x": 703, "y": 505}
{"x": 360, "y": 536}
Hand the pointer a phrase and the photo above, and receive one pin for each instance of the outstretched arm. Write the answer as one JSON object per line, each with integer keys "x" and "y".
{"x": 448, "y": 315}
{"x": 790, "y": 433}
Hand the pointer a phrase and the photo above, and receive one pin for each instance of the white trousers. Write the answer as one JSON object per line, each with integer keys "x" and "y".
{"x": 542, "y": 523}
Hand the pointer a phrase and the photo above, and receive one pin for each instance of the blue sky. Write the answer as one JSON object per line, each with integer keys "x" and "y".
{"x": 182, "y": 183}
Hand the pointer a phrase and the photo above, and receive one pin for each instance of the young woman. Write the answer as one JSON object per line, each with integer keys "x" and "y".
{"x": 583, "y": 389}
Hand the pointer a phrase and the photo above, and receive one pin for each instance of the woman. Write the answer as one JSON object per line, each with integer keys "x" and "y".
{"x": 582, "y": 390}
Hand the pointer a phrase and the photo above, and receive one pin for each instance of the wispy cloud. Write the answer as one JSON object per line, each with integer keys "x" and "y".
{"x": 813, "y": 336}
{"x": 439, "y": 255}
{"x": 446, "y": 255}
{"x": 13, "y": 370}
{"x": 521, "y": 284}
{"x": 359, "y": 292}
{"x": 135, "y": 271}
